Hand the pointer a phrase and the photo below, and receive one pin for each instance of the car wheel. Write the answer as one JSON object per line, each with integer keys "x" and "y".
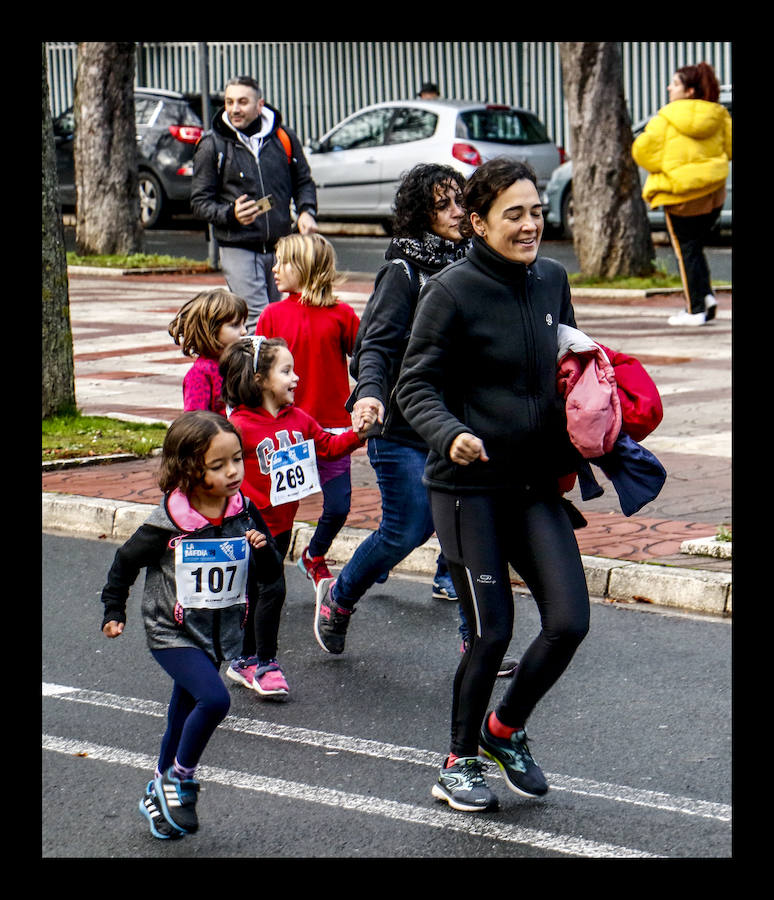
{"x": 152, "y": 200}
{"x": 568, "y": 214}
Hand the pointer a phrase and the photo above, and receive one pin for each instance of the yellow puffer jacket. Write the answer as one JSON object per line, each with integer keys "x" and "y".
{"x": 686, "y": 147}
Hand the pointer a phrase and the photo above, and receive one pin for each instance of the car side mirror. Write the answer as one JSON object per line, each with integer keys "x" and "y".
{"x": 312, "y": 146}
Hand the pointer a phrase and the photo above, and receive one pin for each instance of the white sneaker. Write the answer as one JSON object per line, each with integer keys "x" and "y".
{"x": 710, "y": 307}
{"x": 686, "y": 318}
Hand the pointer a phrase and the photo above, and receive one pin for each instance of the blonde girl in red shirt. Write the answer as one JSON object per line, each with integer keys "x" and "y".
{"x": 320, "y": 332}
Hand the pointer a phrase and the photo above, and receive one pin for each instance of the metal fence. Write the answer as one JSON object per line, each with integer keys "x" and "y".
{"x": 316, "y": 84}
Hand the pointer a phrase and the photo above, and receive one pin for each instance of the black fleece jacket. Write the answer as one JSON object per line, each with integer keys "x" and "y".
{"x": 385, "y": 327}
{"x": 482, "y": 359}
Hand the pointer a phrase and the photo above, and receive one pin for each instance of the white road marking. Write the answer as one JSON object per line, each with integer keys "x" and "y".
{"x": 361, "y": 746}
{"x": 390, "y": 809}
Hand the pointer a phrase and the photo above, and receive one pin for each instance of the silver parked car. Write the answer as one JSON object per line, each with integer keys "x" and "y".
{"x": 358, "y": 165}
{"x": 560, "y": 215}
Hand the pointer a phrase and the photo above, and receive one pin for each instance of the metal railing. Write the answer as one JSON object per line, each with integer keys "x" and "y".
{"x": 316, "y": 84}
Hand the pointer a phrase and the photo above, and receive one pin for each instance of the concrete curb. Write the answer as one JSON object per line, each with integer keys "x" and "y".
{"x": 611, "y": 580}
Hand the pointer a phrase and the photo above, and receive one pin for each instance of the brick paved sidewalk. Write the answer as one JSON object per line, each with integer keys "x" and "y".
{"x": 126, "y": 364}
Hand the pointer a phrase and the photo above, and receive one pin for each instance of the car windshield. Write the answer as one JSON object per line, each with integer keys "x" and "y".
{"x": 501, "y": 126}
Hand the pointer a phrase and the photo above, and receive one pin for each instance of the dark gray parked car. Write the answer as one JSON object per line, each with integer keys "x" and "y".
{"x": 168, "y": 126}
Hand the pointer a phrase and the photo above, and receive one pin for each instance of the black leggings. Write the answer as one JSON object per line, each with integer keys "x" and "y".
{"x": 265, "y": 611}
{"x": 480, "y": 534}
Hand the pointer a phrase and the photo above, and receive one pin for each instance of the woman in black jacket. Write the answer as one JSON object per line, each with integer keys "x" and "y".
{"x": 479, "y": 386}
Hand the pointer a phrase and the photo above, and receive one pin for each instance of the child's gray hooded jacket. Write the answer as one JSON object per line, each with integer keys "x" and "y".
{"x": 187, "y": 604}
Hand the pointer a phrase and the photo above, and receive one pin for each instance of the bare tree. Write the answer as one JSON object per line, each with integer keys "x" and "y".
{"x": 105, "y": 150}
{"x": 58, "y": 378}
{"x": 611, "y": 234}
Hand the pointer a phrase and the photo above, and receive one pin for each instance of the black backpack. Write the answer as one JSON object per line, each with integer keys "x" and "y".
{"x": 354, "y": 365}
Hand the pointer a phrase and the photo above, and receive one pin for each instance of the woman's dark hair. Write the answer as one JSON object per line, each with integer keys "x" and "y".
{"x": 185, "y": 447}
{"x": 489, "y": 181}
{"x": 241, "y": 380}
{"x": 416, "y": 198}
{"x": 702, "y": 79}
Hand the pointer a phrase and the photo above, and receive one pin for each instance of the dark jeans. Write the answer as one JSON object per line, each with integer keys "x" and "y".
{"x": 337, "y": 498}
{"x": 691, "y": 234}
{"x": 199, "y": 703}
{"x": 480, "y": 534}
{"x": 406, "y": 519}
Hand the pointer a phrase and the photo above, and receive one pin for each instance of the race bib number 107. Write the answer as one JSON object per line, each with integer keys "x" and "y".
{"x": 294, "y": 473}
{"x": 211, "y": 573}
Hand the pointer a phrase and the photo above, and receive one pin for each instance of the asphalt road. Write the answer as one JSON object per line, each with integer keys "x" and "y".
{"x": 635, "y": 739}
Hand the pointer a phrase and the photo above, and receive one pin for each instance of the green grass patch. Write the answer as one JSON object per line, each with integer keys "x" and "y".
{"x": 138, "y": 261}
{"x": 660, "y": 279}
{"x": 73, "y": 436}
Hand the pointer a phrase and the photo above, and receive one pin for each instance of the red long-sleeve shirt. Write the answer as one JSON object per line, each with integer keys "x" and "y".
{"x": 262, "y": 434}
{"x": 320, "y": 339}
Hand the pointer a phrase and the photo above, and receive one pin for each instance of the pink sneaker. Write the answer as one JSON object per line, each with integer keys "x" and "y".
{"x": 243, "y": 671}
{"x": 269, "y": 682}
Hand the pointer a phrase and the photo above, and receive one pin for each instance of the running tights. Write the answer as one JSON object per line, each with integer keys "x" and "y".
{"x": 479, "y": 535}
{"x": 199, "y": 703}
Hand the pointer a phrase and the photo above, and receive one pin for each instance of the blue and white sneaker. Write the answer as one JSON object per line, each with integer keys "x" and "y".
{"x": 443, "y": 588}
{"x": 151, "y": 809}
{"x": 177, "y": 800}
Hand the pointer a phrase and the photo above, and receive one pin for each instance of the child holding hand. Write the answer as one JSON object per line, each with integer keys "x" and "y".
{"x": 207, "y": 554}
{"x": 204, "y": 327}
{"x": 281, "y": 443}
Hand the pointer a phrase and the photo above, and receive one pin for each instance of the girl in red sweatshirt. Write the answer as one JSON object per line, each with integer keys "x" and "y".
{"x": 320, "y": 332}
{"x": 281, "y": 445}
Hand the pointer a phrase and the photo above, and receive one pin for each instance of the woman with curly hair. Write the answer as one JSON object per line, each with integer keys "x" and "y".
{"x": 426, "y": 239}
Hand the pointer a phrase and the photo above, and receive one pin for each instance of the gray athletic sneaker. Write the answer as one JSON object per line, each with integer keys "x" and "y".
{"x": 463, "y": 786}
{"x": 522, "y": 774}
{"x": 330, "y": 620}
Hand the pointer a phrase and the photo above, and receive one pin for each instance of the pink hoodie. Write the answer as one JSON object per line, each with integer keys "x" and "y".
{"x": 586, "y": 380}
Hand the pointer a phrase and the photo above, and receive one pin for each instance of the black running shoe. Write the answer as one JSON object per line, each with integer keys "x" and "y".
{"x": 330, "y": 620}
{"x": 151, "y": 809}
{"x": 522, "y": 774}
{"x": 178, "y": 800}
{"x": 464, "y": 787}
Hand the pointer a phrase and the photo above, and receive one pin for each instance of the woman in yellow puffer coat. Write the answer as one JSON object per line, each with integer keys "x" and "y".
{"x": 686, "y": 147}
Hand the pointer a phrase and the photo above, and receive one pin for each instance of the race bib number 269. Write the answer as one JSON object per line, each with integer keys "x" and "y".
{"x": 294, "y": 473}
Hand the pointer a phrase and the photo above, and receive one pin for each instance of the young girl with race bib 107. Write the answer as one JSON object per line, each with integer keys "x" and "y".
{"x": 207, "y": 554}
{"x": 282, "y": 443}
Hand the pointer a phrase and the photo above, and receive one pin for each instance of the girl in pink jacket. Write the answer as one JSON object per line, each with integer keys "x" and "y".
{"x": 204, "y": 327}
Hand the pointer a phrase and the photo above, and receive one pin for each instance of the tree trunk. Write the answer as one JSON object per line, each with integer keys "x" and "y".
{"x": 58, "y": 376}
{"x": 105, "y": 149}
{"x": 611, "y": 235}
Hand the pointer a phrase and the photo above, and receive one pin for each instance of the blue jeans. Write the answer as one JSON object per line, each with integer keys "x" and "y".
{"x": 407, "y": 521}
